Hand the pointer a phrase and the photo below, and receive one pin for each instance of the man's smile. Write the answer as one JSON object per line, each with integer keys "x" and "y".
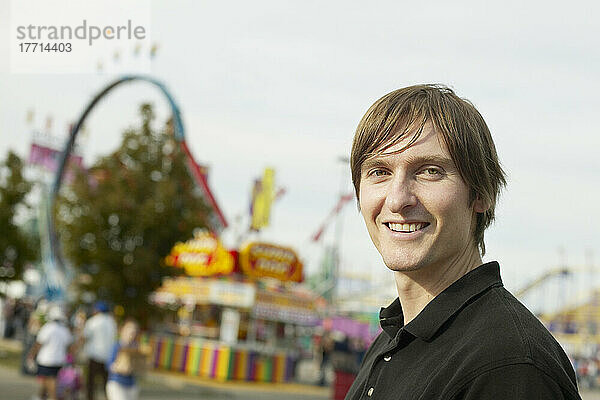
{"x": 408, "y": 227}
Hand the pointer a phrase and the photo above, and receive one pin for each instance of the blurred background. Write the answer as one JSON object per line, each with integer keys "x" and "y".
{"x": 207, "y": 194}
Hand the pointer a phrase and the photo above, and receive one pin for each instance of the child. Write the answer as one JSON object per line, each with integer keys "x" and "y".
{"x": 125, "y": 361}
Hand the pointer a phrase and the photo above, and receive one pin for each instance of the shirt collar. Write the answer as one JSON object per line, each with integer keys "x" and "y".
{"x": 443, "y": 306}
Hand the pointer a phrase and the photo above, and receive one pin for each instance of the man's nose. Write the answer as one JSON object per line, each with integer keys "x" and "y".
{"x": 400, "y": 194}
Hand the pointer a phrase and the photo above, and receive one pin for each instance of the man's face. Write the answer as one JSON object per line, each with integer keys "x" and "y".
{"x": 416, "y": 205}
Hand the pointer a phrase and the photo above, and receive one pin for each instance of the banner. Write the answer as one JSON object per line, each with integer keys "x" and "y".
{"x": 263, "y": 194}
{"x": 48, "y": 158}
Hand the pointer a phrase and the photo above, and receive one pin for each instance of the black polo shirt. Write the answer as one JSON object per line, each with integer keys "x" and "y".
{"x": 473, "y": 341}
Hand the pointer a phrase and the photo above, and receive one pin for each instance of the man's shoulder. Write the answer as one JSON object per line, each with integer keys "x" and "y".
{"x": 100, "y": 320}
{"x": 44, "y": 330}
{"x": 502, "y": 327}
{"x": 496, "y": 332}
{"x": 52, "y": 329}
{"x": 499, "y": 314}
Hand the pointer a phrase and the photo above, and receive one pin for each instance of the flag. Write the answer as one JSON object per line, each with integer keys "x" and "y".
{"x": 263, "y": 194}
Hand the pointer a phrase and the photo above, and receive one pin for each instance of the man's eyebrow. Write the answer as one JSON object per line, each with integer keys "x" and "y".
{"x": 379, "y": 161}
{"x": 432, "y": 159}
{"x": 375, "y": 162}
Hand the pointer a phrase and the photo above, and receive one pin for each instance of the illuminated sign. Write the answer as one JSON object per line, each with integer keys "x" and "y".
{"x": 286, "y": 307}
{"x": 260, "y": 260}
{"x": 204, "y": 255}
{"x": 202, "y": 291}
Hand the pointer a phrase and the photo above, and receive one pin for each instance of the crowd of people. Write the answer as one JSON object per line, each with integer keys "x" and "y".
{"x": 56, "y": 345}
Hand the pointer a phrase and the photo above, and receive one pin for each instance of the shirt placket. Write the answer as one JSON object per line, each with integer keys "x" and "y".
{"x": 382, "y": 360}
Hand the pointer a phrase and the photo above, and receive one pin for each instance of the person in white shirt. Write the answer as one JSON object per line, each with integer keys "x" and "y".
{"x": 99, "y": 333}
{"x": 50, "y": 351}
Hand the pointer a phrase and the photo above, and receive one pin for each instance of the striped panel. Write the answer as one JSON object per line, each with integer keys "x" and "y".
{"x": 279, "y": 368}
{"x": 177, "y": 357}
{"x": 213, "y": 362}
{"x": 268, "y": 369}
{"x": 206, "y": 360}
{"x": 185, "y": 356}
{"x": 222, "y": 364}
{"x": 251, "y": 367}
{"x": 193, "y": 361}
{"x": 167, "y": 353}
{"x": 231, "y": 364}
{"x": 241, "y": 365}
{"x": 259, "y": 372}
{"x": 157, "y": 351}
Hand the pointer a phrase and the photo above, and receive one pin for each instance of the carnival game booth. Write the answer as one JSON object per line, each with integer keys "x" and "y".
{"x": 234, "y": 316}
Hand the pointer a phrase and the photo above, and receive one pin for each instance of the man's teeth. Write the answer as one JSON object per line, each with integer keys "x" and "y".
{"x": 405, "y": 227}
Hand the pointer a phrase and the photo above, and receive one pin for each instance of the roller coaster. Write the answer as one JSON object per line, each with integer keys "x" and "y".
{"x": 55, "y": 269}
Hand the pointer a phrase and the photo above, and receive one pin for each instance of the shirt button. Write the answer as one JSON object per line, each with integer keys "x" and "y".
{"x": 387, "y": 358}
{"x": 370, "y": 392}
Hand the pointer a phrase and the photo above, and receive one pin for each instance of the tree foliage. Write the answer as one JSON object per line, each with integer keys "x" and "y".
{"x": 16, "y": 247}
{"x": 118, "y": 220}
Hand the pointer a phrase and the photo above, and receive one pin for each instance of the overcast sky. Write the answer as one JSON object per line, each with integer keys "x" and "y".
{"x": 284, "y": 84}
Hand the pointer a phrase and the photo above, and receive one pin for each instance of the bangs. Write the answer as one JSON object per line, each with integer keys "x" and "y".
{"x": 416, "y": 127}
{"x": 382, "y": 129}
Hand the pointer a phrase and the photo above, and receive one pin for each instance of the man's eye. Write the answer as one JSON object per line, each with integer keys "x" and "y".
{"x": 432, "y": 172}
{"x": 378, "y": 172}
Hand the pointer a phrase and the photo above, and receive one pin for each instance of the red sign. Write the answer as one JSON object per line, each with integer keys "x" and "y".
{"x": 204, "y": 255}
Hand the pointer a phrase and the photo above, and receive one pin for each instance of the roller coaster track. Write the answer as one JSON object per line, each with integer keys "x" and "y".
{"x": 53, "y": 264}
{"x": 541, "y": 279}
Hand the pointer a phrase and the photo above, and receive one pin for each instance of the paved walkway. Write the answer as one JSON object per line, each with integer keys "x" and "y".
{"x": 172, "y": 386}
{"x": 160, "y": 385}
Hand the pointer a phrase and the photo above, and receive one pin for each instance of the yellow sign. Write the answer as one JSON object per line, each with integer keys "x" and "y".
{"x": 261, "y": 260}
{"x": 184, "y": 288}
{"x": 201, "y": 291}
{"x": 263, "y": 195}
{"x": 285, "y": 307}
{"x": 204, "y": 255}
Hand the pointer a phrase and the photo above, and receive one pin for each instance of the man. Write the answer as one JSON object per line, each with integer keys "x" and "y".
{"x": 53, "y": 342}
{"x": 99, "y": 333}
{"x": 427, "y": 178}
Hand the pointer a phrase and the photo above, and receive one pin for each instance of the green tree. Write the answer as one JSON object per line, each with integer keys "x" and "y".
{"x": 118, "y": 220}
{"x": 16, "y": 247}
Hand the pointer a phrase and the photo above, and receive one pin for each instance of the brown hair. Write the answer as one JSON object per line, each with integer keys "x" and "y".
{"x": 456, "y": 120}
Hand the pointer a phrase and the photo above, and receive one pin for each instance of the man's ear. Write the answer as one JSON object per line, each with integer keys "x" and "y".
{"x": 480, "y": 206}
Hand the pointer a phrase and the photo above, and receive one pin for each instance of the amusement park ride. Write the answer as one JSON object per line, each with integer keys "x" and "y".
{"x": 568, "y": 301}
{"x": 55, "y": 270}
